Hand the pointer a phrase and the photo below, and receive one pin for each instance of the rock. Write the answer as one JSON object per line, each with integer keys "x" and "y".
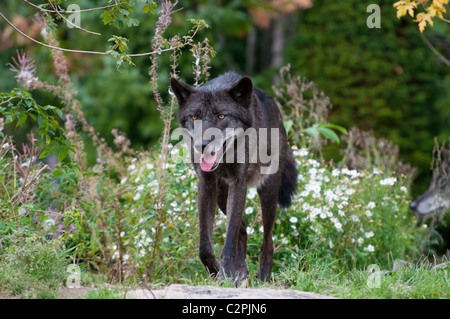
{"x": 210, "y": 292}
{"x": 440, "y": 266}
{"x": 401, "y": 264}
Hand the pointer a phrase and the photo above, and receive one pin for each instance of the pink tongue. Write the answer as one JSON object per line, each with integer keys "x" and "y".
{"x": 207, "y": 164}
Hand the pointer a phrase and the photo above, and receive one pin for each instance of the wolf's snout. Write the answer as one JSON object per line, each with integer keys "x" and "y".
{"x": 200, "y": 145}
{"x": 413, "y": 206}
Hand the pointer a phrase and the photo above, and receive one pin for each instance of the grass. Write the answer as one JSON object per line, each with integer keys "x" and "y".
{"x": 419, "y": 282}
{"x": 33, "y": 269}
{"x": 311, "y": 273}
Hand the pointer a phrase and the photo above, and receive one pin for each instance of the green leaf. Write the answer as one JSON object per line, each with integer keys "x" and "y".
{"x": 9, "y": 119}
{"x": 108, "y": 17}
{"x": 336, "y": 127}
{"x": 62, "y": 155}
{"x": 22, "y": 119}
{"x": 150, "y": 7}
{"x": 312, "y": 131}
{"x": 329, "y": 134}
{"x": 40, "y": 121}
{"x": 45, "y": 152}
{"x": 288, "y": 126}
{"x": 59, "y": 112}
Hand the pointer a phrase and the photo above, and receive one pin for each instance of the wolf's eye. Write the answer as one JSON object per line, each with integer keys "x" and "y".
{"x": 221, "y": 116}
{"x": 194, "y": 117}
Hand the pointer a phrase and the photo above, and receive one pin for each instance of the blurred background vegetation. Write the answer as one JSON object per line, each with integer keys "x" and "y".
{"x": 386, "y": 80}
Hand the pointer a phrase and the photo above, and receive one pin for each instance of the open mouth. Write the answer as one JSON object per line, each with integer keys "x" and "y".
{"x": 209, "y": 162}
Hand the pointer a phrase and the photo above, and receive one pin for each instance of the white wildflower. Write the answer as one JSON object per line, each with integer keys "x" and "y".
{"x": 252, "y": 193}
{"x": 248, "y": 210}
{"x": 360, "y": 241}
{"x": 388, "y": 181}
{"x": 293, "y": 219}
{"x": 371, "y": 205}
{"x": 350, "y": 191}
{"x": 313, "y": 163}
{"x": 303, "y": 152}
{"x": 369, "y": 234}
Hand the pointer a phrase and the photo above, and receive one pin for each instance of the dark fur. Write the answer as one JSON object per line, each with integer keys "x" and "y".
{"x": 226, "y": 186}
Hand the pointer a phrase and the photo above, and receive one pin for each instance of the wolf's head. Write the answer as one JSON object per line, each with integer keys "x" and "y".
{"x": 209, "y": 114}
{"x": 438, "y": 194}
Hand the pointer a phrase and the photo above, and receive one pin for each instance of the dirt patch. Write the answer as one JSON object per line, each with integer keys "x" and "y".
{"x": 193, "y": 292}
{"x": 210, "y": 292}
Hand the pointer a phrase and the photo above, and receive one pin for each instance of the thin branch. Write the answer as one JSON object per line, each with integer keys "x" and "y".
{"x": 433, "y": 49}
{"x": 64, "y": 18}
{"x": 93, "y": 52}
{"x": 445, "y": 20}
{"x": 83, "y": 10}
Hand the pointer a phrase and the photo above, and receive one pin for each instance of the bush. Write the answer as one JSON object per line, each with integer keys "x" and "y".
{"x": 358, "y": 217}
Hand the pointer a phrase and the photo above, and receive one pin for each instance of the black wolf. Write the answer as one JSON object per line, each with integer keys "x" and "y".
{"x": 231, "y": 103}
{"x": 437, "y": 195}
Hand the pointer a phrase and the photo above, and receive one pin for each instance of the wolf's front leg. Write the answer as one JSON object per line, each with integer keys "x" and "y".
{"x": 206, "y": 200}
{"x": 237, "y": 193}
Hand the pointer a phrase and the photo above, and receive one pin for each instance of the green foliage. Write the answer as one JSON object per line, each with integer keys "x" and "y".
{"x": 19, "y": 105}
{"x": 352, "y": 216}
{"x": 32, "y": 266}
{"x": 382, "y": 79}
{"x": 432, "y": 8}
{"x": 325, "y": 130}
{"x": 119, "y": 15}
{"x": 311, "y": 272}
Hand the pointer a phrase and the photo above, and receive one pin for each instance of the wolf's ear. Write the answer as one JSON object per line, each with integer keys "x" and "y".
{"x": 242, "y": 91}
{"x": 181, "y": 90}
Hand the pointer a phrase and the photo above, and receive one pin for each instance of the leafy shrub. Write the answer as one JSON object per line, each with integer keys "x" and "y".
{"x": 358, "y": 217}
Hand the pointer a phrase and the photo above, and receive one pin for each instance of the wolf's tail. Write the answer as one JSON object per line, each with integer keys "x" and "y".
{"x": 289, "y": 180}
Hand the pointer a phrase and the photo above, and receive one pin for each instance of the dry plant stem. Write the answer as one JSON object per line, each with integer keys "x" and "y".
{"x": 433, "y": 49}
{"x": 67, "y": 21}
{"x": 78, "y": 11}
{"x": 93, "y": 52}
{"x": 27, "y": 185}
{"x": 66, "y": 93}
{"x": 161, "y": 26}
